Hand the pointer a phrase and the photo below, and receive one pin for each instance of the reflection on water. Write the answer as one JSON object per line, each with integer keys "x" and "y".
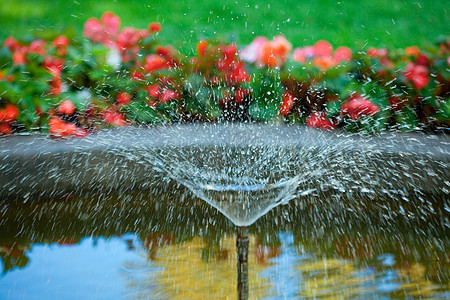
{"x": 153, "y": 247}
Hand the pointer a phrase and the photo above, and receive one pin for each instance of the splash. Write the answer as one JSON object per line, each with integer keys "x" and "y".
{"x": 245, "y": 170}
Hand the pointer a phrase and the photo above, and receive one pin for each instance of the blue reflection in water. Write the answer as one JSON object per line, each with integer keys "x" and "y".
{"x": 282, "y": 274}
{"x": 90, "y": 269}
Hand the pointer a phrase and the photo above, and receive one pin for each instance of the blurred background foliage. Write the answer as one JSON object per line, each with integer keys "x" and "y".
{"x": 383, "y": 23}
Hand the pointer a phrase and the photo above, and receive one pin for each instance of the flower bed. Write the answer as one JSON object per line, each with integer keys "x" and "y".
{"x": 68, "y": 85}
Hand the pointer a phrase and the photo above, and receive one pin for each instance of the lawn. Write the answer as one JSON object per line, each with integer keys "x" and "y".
{"x": 383, "y": 23}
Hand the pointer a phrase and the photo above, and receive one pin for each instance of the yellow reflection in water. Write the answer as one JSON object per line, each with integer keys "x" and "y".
{"x": 199, "y": 270}
{"x": 193, "y": 271}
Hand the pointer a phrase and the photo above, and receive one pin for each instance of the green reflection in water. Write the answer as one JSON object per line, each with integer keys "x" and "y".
{"x": 332, "y": 246}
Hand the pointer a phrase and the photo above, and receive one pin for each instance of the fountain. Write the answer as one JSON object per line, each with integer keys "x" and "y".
{"x": 242, "y": 170}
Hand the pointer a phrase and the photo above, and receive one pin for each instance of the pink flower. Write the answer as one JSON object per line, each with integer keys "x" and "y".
{"x": 318, "y": 119}
{"x": 127, "y": 38}
{"x": 252, "y": 52}
{"x": 102, "y": 31}
{"x": 322, "y": 55}
{"x": 417, "y": 75}
{"x": 323, "y": 49}
{"x": 94, "y": 30}
{"x": 342, "y": 54}
{"x": 302, "y": 55}
{"x": 357, "y": 106}
{"x": 111, "y": 23}
{"x": 324, "y": 62}
{"x": 373, "y": 52}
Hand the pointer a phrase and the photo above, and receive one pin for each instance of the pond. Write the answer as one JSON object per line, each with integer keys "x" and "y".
{"x": 154, "y": 246}
{"x": 104, "y": 221}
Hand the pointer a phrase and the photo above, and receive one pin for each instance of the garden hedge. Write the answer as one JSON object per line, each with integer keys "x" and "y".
{"x": 69, "y": 85}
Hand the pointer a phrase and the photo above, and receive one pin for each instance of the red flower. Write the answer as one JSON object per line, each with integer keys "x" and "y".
{"x": 324, "y": 62}
{"x": 9, "y": 114}
{"x": 154, "y": 62}
{"x": 164, "y": 51}
{"x": 113, "y": 118}
{"x": 55, "y": 86}
{"x": 154, "y": 90}
{"x": 236, "y": 73}
{"x": 5, "y": 128}
{"x": 274, "y": 53}
{"x": 66, "y": 108}
{"x": 229, "y": 52}
{"x": 357, "y": 106}
{"x": 168, "y": 95}
{"x": 37, "y": 47}
{"x": 423, "y": 60}
{"x": 202, "y": 47}
{"x": 412, "y": 51}
{"x": 123, "y": 98}
{"x": 54, "y": 65}
{"x": 12, "y": 44}
{"x": 61, "y": 42}
{"x": 417, "y": 75}
{"x": 319, "y": 120}
{"x": 240, "y": 95}
{"x": 396, "y": 103}
{"x": 287, "y": 104}
{"x": 154, "y": 27}
{"x": 135, "y": 75}
{"x": 19, "y": 56}
{"x": 59, "y": 128}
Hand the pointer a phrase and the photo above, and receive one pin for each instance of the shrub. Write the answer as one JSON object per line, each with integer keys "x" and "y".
{"x": 66, "y": 85}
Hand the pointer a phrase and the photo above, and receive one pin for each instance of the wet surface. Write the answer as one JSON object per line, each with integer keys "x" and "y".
{"x": 171, "y": 245}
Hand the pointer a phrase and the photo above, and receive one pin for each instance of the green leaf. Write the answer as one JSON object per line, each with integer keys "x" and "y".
{"x": 337, "y": 71}
{"x": 444, "y": 111}
{"x": 140, "y": 112}
{"x": 267, "y": 95}
{"x": 264, "y": 110}
{"x": 333, "y": 108}
{"x": 407, "y": 119}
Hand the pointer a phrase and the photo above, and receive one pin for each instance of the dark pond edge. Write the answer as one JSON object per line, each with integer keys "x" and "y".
{"x": 38, "y": 165}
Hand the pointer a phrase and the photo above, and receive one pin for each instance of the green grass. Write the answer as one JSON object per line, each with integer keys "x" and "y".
{"x": 382, "y": 23}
